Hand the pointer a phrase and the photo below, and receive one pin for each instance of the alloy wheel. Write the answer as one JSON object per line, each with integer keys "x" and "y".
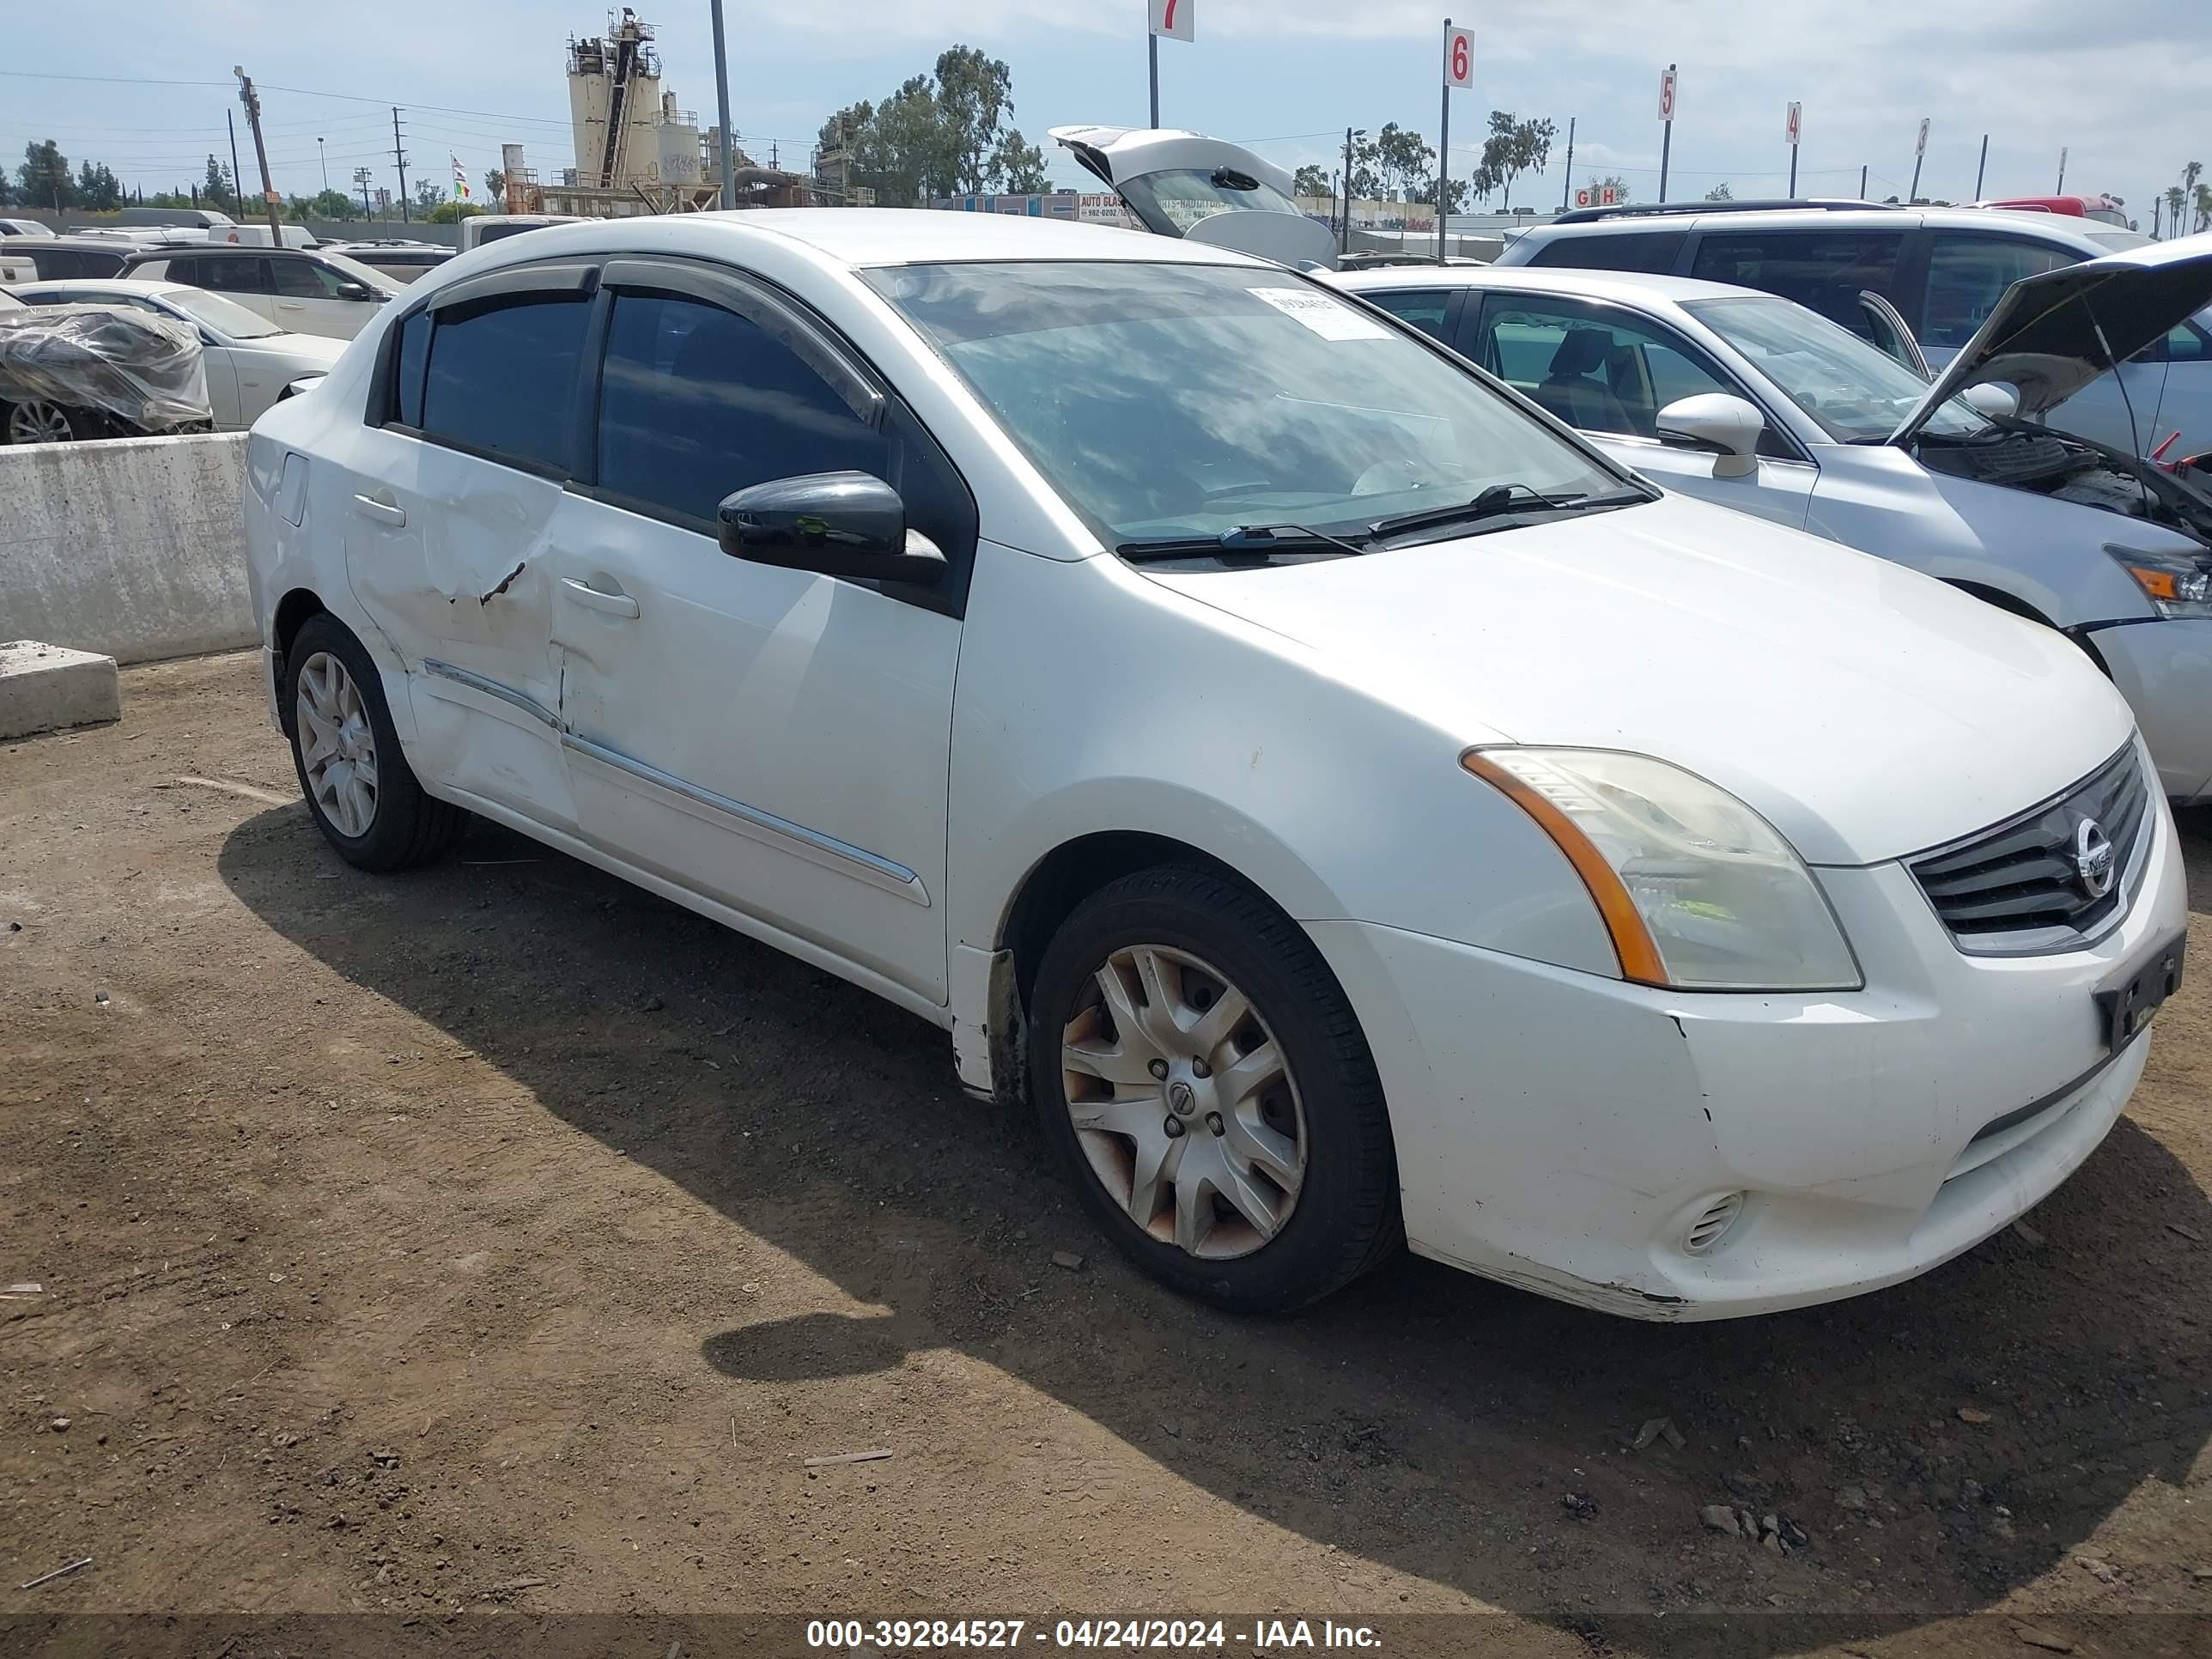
{"x": 38, "y": 422}
{"x": 1183, "y": 1104}
{"x": 337, "y": 744}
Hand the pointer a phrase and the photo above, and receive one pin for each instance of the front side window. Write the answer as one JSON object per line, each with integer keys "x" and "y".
{"x": 1824, "y": 271}
{"x": 1967, "y": 274}
{"x": 696, "y": 401}
{"x": 1854, "y": 393}
{"x": 303, "y": 279}
{"x": 1595, "y": 367}
{"x": 1171, "y": 202}
{"x": 502, "y": 377}
{"x": 1168, "y": 401}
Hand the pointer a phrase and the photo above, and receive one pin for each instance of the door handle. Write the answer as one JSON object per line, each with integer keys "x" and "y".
{"x": 615, "y": 604}
{"x": 290, "y": 305}
{"x": 383, "y": 512}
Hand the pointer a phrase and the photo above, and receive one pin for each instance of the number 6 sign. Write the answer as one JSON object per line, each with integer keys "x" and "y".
{"x": 1173, "y": 19}
{"x": 1459, "y": 58}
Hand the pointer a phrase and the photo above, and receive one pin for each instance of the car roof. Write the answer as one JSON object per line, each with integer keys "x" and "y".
{"x": 860, "y": 237}
{"x": 1874, "y": 216}
{"x": 1550, "y": 279}
{"x": 82, "y": 244}
{"x": 118, "y": 285}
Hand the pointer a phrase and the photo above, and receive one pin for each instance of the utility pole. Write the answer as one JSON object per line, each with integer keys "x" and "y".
{"x": 1982, "y": 166}
{"x": 237, "y": 180}
{"x": 362, "y": 176}
{"x": 323, "y": 155}
{"x": 1862, "y": 173}
{"x": 261, "y": 151}
{"x": 1567, "y": 184}
{"x": 729, "y": 199}
{"x": 399, "y": 155}
{"x": 2061, "y": 191}
{"x": 1344, "y": 232}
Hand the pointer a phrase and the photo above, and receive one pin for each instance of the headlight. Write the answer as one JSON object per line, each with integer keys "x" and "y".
{"x": 1698, "y": 891}
{"x": 2175, "y": 584}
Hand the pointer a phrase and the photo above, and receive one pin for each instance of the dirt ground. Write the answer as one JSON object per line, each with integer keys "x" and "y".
{"x": 495, "y": 1243}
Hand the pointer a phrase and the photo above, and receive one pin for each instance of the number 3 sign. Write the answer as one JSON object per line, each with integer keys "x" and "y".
{"x": 1173, "y": 18}
{"x": 1459, "y": 58}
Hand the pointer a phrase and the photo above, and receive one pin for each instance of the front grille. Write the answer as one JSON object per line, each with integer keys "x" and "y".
{"x": 2017, "y": 889}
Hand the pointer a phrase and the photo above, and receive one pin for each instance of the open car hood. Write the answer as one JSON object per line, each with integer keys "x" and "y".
{"x": 2053, "y": 334}
{"x": 1119, "y": 155}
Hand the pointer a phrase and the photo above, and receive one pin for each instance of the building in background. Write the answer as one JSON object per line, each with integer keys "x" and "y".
{"x": 1056, "y": 204}
{"x": 636, "y": 152}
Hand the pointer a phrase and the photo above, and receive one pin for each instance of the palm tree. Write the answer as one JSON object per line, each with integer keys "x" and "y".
{"x": 2174, "y": 198}
{"x": 2203, "y": 205}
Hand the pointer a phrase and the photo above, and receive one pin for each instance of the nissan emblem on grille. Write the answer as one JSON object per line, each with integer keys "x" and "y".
{"x": 2094, "y": 860}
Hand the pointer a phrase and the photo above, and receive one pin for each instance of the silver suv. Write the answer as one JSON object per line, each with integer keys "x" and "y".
{"x": 1944, "y": 269}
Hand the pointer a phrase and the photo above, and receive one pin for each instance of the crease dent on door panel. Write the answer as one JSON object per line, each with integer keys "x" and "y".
{"x": 491, "y": 688}
{"x": 502, "y": 585}
{"x": 812, "y": 845}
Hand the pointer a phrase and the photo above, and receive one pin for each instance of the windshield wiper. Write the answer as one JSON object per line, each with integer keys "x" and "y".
{"x": 1498, "y": 500}
{"x": 1244, "y": 541}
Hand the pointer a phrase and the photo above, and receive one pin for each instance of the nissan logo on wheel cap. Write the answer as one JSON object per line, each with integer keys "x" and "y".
{"x": 2093, "y": 858}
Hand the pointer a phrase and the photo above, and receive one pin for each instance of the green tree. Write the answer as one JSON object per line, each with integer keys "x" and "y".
{"x": 44, "y": 177}
{"x": 1515, "y": 147}
{"x": 1402, "y": 162}
{"x": 7, "y": 189}
{"x": 1313, "y": 181}
{"x": 2203, "y": 205}
{"x": 1597, "y": 185}
{"x": 98, "y": 188}
{"x": 333, "y": 204}
{"x": 903, "y": 151}
{"x": 975, "y": 94}
{"x": 1018, "y": 165}
{"x": 428, "y": 192}
{"x": 448, "y": 213}
{"x": 1720, "y": 192}
{"x": 217, "y": 190}
{"x": 495, "y": 184}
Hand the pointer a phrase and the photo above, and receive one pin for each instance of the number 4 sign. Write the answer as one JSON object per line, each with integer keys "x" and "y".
{"x": 1173, "y": 19}
{"x": 1459, "y": 58}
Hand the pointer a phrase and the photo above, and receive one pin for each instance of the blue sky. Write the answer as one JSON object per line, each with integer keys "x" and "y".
{"x": 2122, "y": 92}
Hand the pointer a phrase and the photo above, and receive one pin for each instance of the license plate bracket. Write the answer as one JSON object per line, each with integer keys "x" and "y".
{"x": 2125, "y": 1005}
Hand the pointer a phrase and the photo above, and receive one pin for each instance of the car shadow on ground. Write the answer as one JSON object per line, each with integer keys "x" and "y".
{"x": 1938, "y": 1443}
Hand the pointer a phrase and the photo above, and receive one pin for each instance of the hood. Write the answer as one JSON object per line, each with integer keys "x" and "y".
{"x": 307, "y": 350}
{"x": 2053, "y": 334}
{"x": 1867, "y": 711}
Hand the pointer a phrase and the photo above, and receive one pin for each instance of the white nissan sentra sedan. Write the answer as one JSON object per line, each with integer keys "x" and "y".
{"x": 1342, "y": 801}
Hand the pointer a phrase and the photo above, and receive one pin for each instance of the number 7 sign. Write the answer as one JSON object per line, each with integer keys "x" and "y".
{"x": 1459, "y": 58}
{"x": 1173, "y": 19}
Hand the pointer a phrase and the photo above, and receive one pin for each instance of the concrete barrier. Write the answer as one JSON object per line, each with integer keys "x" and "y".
{"x": 133, "y": 548}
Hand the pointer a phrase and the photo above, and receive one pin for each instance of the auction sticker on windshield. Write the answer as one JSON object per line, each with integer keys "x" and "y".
{"x": 1330, "y": 319}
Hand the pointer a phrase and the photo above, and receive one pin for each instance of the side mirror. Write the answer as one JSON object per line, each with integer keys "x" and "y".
{"x": 357, "y": 291}
{"x": 839, "y": 523}
{"x": 1994, "y": 398}
{"x": 1727, "y": 425}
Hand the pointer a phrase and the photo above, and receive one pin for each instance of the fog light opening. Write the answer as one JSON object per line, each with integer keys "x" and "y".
{"x": 1713, "y": 1224}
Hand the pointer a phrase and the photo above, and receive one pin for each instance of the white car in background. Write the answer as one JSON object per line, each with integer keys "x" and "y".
{"x": 250, "y": 363}
{"x": 1755, "y": 403}
{"x": 301, "y": 290}
{"x": 1340, "y": 799}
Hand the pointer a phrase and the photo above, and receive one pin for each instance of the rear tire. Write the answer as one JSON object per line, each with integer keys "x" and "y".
{"x": 1203, "y": 1079}
{"x": 358, "y": 785}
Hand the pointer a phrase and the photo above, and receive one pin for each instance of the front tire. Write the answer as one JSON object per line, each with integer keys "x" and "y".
{"x": 363, "y": 795}
{"x": 1198, "y": 1070}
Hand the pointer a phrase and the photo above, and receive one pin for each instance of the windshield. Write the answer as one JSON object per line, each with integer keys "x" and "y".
{"x": 375, "y": 281}
{"x": 1171, "y": 203}
{"x": 1854, "y": 391}
{"x": 223, "y": 316}
{"x": 1167, "y": 402}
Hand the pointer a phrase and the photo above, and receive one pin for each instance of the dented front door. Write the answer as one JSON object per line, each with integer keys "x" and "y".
{"x": 445, "y": 551}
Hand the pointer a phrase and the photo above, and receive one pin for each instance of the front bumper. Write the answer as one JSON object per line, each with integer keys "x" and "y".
{"x": 2164, "y": 668}
{"x": 1564, "y": 1132}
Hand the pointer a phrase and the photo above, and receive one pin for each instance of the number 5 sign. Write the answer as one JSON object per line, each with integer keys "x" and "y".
{"x": 1173, "y": 19}
{"x": 1459, "y": 58}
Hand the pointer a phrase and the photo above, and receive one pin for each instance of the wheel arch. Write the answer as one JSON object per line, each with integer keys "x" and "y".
{"x": 291, "y": 614}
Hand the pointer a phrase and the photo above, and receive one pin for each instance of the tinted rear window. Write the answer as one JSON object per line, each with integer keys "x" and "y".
{"x": 1628, "y": 249}
{"x": 1824, "y": 270}
{"x": 502, "y": 379}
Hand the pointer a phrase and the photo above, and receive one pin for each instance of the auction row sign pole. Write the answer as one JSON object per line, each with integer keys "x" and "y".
{"x": 1792, "y": 124}
{"x": 1459, "y": 72}
{"x": 1174, "y": 18}
{"x": 1919, "y": 153}
{"x": 1667, "y": 125}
